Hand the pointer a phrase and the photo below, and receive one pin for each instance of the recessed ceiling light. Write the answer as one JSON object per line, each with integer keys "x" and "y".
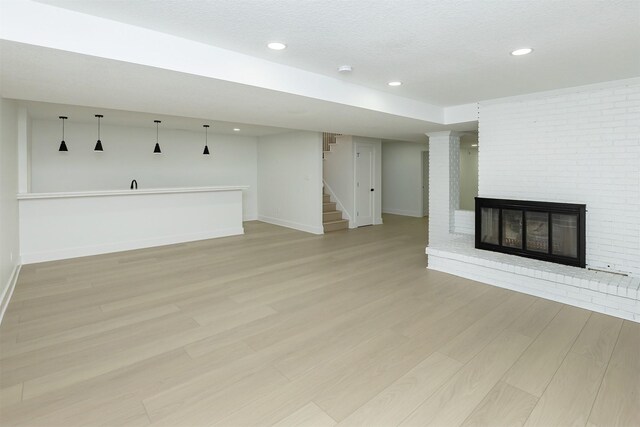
{"x": 394, "y": 83}
{"x": 474, "y": 145}
{"x": 344, "y": 68}
{"x": 277, "y": 46}
{"x": 523, "y": 51}
{"x": 236, "y": 130}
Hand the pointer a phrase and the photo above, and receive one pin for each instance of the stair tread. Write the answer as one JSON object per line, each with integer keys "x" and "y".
{"x": 336, "y": 221}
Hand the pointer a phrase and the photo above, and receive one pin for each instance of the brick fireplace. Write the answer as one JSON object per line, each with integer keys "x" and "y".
{"x": 576, "y": 146}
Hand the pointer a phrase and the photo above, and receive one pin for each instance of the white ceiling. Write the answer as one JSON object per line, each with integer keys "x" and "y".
{"x": 207, "y": 60}
{"x": 35, "y": 73}
{"x": 78, "y": 114}
{"x": 447, "y": 52}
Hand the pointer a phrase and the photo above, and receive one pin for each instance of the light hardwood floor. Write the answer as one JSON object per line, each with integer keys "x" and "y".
{"x": 279, "y": 327}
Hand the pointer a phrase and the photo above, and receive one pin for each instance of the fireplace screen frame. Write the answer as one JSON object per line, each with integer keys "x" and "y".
{"x": 579, "y": 210}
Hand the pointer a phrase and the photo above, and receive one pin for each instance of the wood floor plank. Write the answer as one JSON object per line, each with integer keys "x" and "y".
{"x": 10, "y": 395}
{"x": 568, "y": 398}
{"x": 394, "y": 403}
{"x": 617, "y": 400}
{"x": 534, "y": 370}
{"x": 533, "y": 321}
{"x": 503, "y": 406}
{"x": 307, "y": 416}
{"x": 458, "y": 397}
{"x": 209, "y": 408}
{"x": 598, "y": 337}
{"x": 467, "y": 344}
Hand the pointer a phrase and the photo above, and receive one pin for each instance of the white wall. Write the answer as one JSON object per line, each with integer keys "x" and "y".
{"x": 580, "y": 145}
{"x": 468, "y": 171}
{"x": 9, "y": 239}
{"x": 128, "y": 154}
{"x": 402, "y": 177}
{"x": 290, "y": 180}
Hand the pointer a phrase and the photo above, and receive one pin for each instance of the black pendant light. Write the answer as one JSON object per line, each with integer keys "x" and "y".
{"x": 99, "y": 143}
{"x": 63, "y": 145}
{"x": 157, "y": 150}
{"x": 206, "y": 146}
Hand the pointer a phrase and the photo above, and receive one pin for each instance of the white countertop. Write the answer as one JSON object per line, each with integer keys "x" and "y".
{"x": 62, "y": 195}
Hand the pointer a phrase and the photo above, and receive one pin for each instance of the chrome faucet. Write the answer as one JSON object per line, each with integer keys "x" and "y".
{"x": 134, "y": 182}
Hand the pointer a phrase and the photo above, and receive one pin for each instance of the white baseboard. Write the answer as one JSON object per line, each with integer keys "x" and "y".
{"x": 8, "y": 290}
{"x": 291, "y": 224}
{"x": 30, "y": 258}
{"x": 402, "y": 212}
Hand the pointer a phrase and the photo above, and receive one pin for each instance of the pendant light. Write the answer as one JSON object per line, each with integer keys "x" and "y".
{"x": 157, "y": 150}
{"x": 206, "y": 146}
{"x": 63, "y": 145}
{"x": 99, "y": 143}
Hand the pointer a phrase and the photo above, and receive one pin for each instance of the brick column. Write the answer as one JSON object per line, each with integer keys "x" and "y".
{"x": 444, "y": 183}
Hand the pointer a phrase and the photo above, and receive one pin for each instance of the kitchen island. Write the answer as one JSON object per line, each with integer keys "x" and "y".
{"x": 57, "y": 226}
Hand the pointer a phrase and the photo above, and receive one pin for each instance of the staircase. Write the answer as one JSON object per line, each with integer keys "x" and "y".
{"x": 332, "y": 218}
{"x": 328, "y": 139}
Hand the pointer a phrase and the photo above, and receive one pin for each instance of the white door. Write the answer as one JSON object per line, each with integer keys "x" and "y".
{"x": 364, "y": 184}
{"x": 425, "y": 183}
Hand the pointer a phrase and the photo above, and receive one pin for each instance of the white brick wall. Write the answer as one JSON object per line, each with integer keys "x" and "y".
{"x": 444, "y": 183}
{"x": 581, "y": 146}
{"x": 465, "y": 222}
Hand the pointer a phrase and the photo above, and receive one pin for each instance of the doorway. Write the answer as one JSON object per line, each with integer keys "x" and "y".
{"x": 364, "y": 176}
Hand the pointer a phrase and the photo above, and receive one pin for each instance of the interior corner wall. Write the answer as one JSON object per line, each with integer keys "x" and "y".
{"x": 468, "y": 172}
{"x": 578, "y": 146}
{"x": 402, "y": 177}
{"x": 9, "y": 239}
{"x": 290, "y": 180}
{"x": 128, "y": 154}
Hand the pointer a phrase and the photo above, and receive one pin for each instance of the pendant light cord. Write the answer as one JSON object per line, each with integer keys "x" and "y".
{"x": 98, "y": 127}
{"x": 63, "y": 129}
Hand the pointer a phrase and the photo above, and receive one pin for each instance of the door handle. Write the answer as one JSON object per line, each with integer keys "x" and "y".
{"x": 372, "y": 189}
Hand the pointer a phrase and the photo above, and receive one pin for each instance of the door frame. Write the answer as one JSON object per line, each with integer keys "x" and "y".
{"x": 373, "y": 182}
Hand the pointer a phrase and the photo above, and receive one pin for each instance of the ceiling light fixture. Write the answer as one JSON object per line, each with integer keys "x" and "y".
{"x": 99, "y": 143}
{"x": 63, "y": 145}
{"x": 236, "y": 130}
{"x": 523, "y": 51}
{"x": 277, "y": 46}
{"x": 157, "y": 150}
{"x": 206, "y": 145}
{"x": 395, "y": 83}
{"x": 474, "y": 145}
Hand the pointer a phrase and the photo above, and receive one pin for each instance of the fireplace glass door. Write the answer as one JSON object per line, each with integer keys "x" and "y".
{"x": 543, "y": 230}
{"x": 512, "y": 228}
{"x": 490, "y": 227}
{"x": 564, "y": 232}
{"x": 538, "y": 232}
